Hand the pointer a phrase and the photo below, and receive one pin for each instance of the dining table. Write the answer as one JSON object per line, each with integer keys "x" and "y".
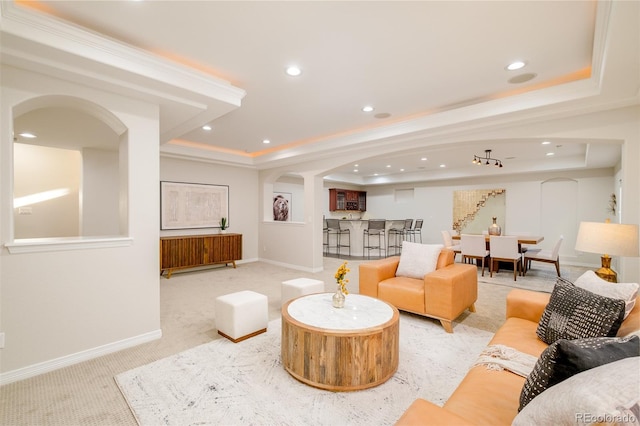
{"x": 522, "y": 239}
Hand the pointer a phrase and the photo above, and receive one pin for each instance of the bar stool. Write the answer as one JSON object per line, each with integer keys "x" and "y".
{"x": 342, "y": 232}
{"x": 333, "y": 228}
{"x": 415, "y": 231}
{"x": 375, "y": 227}
{"x": 325, "y": 236}
{"x": 396, "y": 236}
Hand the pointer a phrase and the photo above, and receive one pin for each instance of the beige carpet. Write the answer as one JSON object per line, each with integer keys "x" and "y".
{"x": 86, "y": 393}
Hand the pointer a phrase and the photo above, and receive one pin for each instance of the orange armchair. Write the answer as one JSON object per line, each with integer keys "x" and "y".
{"x": 442, "y": 294}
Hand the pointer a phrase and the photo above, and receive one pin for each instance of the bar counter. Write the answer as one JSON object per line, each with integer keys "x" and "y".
{"x": 356, "y": 228}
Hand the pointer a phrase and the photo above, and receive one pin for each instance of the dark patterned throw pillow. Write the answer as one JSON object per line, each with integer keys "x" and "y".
{"x": 566, "y": 358}
{"x": 576, "y": 313}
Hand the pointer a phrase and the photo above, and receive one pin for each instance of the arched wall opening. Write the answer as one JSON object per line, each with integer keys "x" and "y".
{"x": 69, "y": 170}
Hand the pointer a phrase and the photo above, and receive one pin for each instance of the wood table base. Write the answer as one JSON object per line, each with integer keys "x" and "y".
{"x": 340, "y": 360}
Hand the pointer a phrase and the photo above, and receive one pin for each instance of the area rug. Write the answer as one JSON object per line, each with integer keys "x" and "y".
{"x": 222, "y": 383}
{"x": 542, "y": 277}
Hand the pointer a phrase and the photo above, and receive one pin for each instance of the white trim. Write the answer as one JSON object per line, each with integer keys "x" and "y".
{"x": 291, "y": 266}
{"x": 36, "y": 245}
{"x": 65, "y": 361}
{"x": 58, "y": 34}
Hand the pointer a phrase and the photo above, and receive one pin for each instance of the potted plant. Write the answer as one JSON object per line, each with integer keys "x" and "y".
{"x": 223, "y": 225}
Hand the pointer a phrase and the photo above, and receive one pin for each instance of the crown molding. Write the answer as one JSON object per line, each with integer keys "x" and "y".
{"x": 73, "y": 53}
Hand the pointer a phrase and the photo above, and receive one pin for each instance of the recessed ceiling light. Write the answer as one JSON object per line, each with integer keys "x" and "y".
{"x": 442, "y": 166}
{"x": 375, "y": 174}
{"x": 355, "y": 170}
{"x": 265, "y": 141}
{"x": 293, "y": 71}
{"x": 206, "y": 127}
{"x": 522, "y": 78}
{"x": 27, "y": 135}
{"x": 549, "y": 154}
{"x": 388, "y": 166}
{"x": 367, "y": 108}
{"x": 546, "y": 143}
{"x": 402, "y": 170}
{"x": 516, "y": 65}
{"x": 423, "y": 159}
{"x": 356, "y": 165}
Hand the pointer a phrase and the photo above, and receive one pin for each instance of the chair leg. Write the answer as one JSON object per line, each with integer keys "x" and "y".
{"x": 557, "y": 267}
{"x": 472, "y": 308}
{"x": 483, "y": 267}
{"x": 515, "y": 270}
{"x": 447, "y": 325}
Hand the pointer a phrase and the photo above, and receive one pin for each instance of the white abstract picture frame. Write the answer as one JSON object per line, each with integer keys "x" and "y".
{"x": 192, "y": 205}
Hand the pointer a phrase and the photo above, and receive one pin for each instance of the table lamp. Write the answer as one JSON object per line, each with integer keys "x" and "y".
{"x": 611, "y": 239}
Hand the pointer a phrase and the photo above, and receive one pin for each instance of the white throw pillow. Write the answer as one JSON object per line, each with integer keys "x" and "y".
{"x": 606, "y": 394}
{"x": 417, "y": 260}
{"x": 625, "y": 291}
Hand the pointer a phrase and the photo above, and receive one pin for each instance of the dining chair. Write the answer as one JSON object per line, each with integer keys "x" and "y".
{"x": 376, "y": 228}
{"x": 542, "y": 255}
{"x": 523, "y": 247}
{"x": 505, "y": 249}
{"x": 448, "y": 244}
{"x": 474, "y": 247}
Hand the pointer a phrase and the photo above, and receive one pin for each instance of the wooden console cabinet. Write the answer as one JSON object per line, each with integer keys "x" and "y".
{"x": 199, "y": 250}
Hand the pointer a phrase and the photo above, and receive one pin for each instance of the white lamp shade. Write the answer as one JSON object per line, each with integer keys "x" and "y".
{"x": 614, "y": 239}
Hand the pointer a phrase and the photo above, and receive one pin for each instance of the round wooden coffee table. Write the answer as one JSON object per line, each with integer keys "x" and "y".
{"x": 351, "y": 348}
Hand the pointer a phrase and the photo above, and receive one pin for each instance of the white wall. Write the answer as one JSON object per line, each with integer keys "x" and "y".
{"x": 100, "y": 192}
{"x": 40, "y": 169}
{"x": 295, "y": 187}
{"x": 243, "y": 197}
{"x": 57, "y": 306}
{"x": 433, "y": 202}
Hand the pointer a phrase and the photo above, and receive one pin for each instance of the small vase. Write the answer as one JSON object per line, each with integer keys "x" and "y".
{"x": 338, "y": 298}
{"x": 495, "y": 229}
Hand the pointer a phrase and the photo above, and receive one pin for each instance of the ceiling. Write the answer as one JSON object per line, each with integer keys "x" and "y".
{"x": 412, "y": 61}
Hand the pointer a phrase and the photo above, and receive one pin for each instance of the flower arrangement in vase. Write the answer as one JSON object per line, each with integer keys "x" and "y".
{"x": 341, "y": 280}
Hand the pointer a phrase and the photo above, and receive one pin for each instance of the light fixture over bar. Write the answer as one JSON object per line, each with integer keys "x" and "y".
{"x": 487, "y": 160}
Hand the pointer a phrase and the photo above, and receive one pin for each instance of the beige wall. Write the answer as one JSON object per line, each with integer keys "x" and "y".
{"x": 60, "y": 306}
{"x": 39, "y": 169}
{"x": 243, "y": 197}
{"x": 434, "y": 201}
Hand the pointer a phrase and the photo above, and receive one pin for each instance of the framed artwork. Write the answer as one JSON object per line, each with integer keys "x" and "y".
{"x": 473, "y": 210}
{"x": 282, "y": 206}
{"x": 192, "y": 205}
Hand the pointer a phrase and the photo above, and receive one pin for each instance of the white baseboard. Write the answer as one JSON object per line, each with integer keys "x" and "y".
{"x": 67, "y": 360}
{"x": 291, "y": 266}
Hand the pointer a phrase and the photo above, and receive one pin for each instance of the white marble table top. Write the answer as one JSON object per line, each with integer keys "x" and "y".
{"x": 359, "y": 312}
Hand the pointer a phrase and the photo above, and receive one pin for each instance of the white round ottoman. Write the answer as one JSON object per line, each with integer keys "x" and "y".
{"x": 241, "y": 315}
{"x": 300, "y": 287}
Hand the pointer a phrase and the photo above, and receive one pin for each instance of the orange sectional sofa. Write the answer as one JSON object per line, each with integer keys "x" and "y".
{"x": 490, "y": 397}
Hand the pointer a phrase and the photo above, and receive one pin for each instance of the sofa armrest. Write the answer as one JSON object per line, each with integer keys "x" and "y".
{"x": 372, "y": 273}
{"x": 450, "y": 290}
{"x": 526, "y": 304}
{"x": 422, "y": 412}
